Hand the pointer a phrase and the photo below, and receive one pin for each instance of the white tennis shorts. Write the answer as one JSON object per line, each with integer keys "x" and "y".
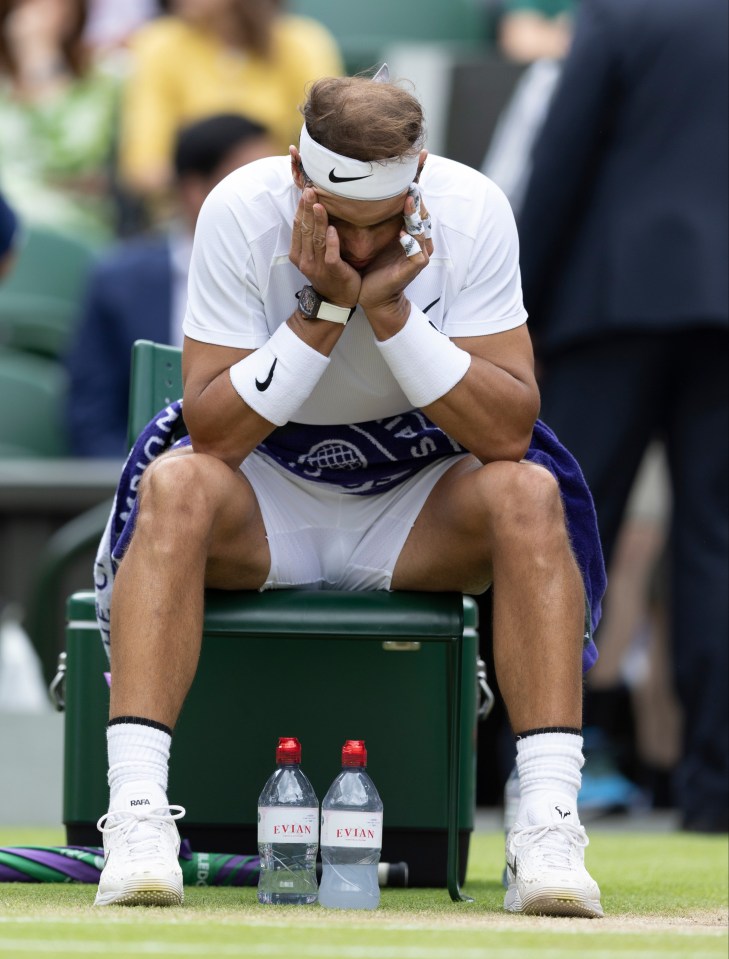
{"x": 323, "y": 538}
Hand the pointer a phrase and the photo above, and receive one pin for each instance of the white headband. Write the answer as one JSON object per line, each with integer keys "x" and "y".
{"x": 355, "y": 179}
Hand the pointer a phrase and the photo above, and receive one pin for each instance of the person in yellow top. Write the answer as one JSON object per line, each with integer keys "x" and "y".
{"x": 209, "y": 56}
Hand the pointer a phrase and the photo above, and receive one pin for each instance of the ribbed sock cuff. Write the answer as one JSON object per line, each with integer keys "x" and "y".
{"x": 139, "y": 721}
{"x": 137, "y": 751}
{"x": 550, "y": 763}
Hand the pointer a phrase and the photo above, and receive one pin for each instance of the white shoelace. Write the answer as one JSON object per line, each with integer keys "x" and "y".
{"x": 556, "y": 841}
{"x": 141, "y": 830}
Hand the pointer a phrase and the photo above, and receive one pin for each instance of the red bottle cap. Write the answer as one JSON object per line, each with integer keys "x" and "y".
{"x": 354, "y": 753}
{"x": 288, "y": 751}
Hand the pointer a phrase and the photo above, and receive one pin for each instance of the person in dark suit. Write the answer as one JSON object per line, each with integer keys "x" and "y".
{"x": 624, "y": 264}
{"x": 139, "y": 289}
{"x": 8, "y": 235}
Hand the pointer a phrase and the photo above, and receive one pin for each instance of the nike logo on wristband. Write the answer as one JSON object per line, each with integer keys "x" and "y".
{"x": 333, "y": 178}
{"x": 262, "y": 387}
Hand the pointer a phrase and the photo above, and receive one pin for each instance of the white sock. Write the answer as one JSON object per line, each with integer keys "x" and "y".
{"x": 549, "y": 767}
{"x": 137, "y": 753}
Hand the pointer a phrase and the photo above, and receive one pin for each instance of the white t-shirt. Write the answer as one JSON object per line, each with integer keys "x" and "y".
{"x": 242, "y": 284}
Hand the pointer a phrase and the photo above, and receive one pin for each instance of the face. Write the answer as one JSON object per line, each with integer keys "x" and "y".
{"x": 193, "y": 190}
{"x": 365, "y": 227}
{"x": 41, "y": 19}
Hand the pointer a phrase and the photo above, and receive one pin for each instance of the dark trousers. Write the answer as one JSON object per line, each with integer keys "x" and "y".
{"x": 606, "y": 400}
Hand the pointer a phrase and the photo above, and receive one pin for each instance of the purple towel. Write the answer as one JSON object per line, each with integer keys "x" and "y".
{"x": 163, "y": 432}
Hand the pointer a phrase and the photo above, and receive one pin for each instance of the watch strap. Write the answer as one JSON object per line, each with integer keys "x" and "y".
{"x": 323, "y": 310}
{"x": 333, "y": 313}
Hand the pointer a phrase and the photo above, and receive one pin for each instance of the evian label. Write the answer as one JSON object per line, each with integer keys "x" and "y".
{"x": 352, "y": 829}
{"x": 288, "y": 824}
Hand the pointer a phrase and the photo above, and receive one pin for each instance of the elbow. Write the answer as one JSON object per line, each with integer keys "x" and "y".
{"x": 517, "y": 448}
{"x": 508, "y": 449}
{"x": 218, "y": 449}
{"x": 512, "y": 444}
{"x": 522, "y": 439}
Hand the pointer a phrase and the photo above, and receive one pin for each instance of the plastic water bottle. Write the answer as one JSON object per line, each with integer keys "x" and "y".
{"x": 288, "y": 831}
{"x": 351, "y": 835}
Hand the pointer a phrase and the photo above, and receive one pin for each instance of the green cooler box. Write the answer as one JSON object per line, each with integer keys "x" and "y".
{"x": 382, "y": 679}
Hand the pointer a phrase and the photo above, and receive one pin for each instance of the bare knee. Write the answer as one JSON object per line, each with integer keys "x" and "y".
{"x": 179, "y": 496}
{"x": 525, "y": 505}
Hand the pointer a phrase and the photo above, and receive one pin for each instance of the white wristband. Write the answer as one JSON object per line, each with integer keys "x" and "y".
{"x": 424, "y": 361}
{"x": 276, "y": 379}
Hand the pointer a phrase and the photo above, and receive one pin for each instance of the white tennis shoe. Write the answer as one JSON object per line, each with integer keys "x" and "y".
{"x": 141, "y": 849}
{"x": 545, "y": 864}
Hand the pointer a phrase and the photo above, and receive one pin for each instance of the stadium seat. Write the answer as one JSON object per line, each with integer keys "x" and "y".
{"x": 274, "y": 664}
{"x": 32, "y": 399}
{"x": 39, "y": 300}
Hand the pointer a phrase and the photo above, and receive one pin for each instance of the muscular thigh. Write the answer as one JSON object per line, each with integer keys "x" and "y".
{"x": 449, "y": 546}
{"x": 219, "y": 510}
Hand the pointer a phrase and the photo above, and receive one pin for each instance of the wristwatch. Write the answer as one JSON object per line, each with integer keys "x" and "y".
{"x": 313, "y": 307}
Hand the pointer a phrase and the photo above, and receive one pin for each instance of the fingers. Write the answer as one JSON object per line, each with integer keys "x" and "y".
{"x": 312, "y": 225}
{"x": 410, "y": 245}
{"x": 418, "y": 227}
{"x": 308, "y": 238}
{"x": 417, "y": 218}
{"x": 332, "y": 256}
{"x": 315, "y": 252}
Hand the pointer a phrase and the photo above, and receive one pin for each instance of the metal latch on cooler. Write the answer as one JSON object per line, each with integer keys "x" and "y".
{"x": 57, "y": 688}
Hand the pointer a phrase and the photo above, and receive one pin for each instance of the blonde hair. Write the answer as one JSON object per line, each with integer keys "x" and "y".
{"x": 364, "y": 120}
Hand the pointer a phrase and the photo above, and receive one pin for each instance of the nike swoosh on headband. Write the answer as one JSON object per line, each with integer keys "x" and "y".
{"x": 346, "y": 179}
{"x": 262, "y": 387}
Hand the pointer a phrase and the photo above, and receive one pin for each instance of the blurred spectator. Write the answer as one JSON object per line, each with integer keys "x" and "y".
{"x": 508, "y": 156}
{"x": 8, "y": 236}
{"x": 111, "y": 24}
{"x": 532, "y": 30}
{"x": 536, "y": 33}
{"x": 57, "y": 118}
{"x": 630, "y": 695}
{"x": 211, "y": 56}
{"x": 139, "y": 290}
{"x": 624, "y": 252}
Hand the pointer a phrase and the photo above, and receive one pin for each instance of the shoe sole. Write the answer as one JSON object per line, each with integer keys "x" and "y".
{"x": 553, "y": 903}
{"x": 164, "y": 894}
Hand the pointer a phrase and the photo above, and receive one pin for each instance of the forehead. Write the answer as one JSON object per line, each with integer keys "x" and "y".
{"x": 361, "y": 212}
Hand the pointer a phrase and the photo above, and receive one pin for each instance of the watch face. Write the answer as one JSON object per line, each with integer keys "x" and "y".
{"x": 309, "y": 301}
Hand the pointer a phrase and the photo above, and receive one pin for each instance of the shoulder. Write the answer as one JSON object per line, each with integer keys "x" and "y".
{"x": 613, "y": 14}
{"x": 252, "y": 199}
{"x": 160, "y": 35}
{"x": 463, "y": 199}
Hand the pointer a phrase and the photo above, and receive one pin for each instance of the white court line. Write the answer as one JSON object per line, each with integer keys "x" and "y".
{"x": 320, "y": 950}
{"x": 545, "y": 925}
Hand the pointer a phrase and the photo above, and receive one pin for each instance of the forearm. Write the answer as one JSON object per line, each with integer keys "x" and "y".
{"x": 490, "y": 412}
{"x": 221, "y": 424}
{"x": 231, "y": 408}
{"x": 481, "y": 390}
